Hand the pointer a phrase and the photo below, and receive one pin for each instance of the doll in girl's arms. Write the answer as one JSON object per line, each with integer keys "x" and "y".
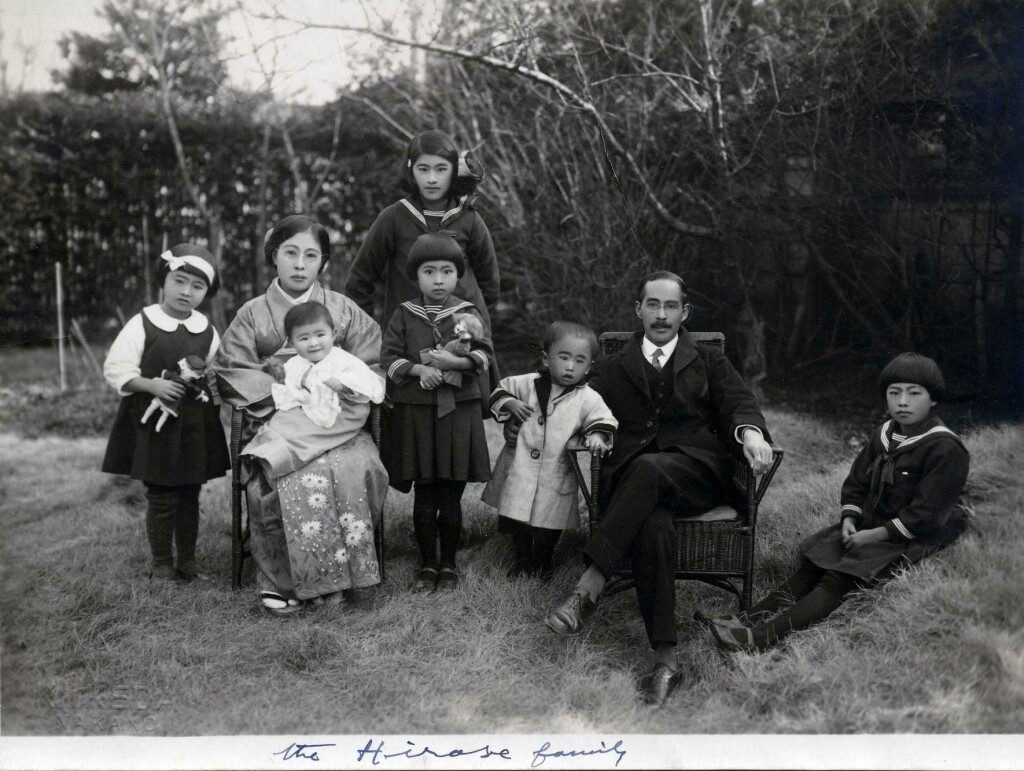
{"x": 468, "y": 328}
{"x": 191, "y": 374}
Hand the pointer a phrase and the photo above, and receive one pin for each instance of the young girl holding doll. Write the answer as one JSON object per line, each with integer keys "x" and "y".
{"x": 434, "y": 437}
{"x": 439, "y": 182}
{"x": 172, "y": 452}
{"x": 533, "y": 486}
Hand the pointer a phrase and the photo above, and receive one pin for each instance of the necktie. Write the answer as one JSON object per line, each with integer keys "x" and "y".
{"x": 656, "y": 359}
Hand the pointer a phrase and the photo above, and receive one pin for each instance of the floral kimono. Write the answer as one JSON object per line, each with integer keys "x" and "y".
{"x": 314, "y": 499}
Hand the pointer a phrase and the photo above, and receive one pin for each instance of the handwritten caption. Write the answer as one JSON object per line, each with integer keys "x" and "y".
{"x": 375, "y": 752}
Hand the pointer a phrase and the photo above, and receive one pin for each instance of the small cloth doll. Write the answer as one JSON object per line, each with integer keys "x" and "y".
{"x": 468, "y": 327}
{"x": 192, "y": 375}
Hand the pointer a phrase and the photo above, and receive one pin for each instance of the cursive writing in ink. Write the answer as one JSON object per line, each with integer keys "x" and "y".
{"x": 542, "y": 753}
{"x": 377, "y": 754}
{"x": 299, "y": 751}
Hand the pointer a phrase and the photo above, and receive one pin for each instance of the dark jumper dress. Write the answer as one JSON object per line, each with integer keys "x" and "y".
{"x": 189, "y": 449}
{"x": 912, "y": 488}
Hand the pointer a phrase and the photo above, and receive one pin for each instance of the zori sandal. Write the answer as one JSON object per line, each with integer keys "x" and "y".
{"x": 278, "y": 605}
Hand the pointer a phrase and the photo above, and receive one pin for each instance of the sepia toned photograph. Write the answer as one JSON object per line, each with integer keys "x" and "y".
{"x": 512, "y": 384}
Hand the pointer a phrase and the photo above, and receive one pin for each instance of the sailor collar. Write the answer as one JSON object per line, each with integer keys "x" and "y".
{"x": 415, "y": 307}
{"x": 889, "y": 427}
{"x": 158, "y": 317}
{"x": 417, "y": 214}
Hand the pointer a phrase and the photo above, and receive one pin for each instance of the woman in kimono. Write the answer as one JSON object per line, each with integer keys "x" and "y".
{"x": 300, "y": 501}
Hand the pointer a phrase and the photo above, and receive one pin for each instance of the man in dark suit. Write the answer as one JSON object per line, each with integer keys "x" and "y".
{"x": 685, "y": 418}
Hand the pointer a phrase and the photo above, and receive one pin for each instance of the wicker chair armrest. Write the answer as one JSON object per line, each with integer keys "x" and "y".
{"x": 576, "y": 444}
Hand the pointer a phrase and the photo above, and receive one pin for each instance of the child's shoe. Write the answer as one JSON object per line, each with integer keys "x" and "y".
{"x": 161, "y": 573}
{"x": 426, "y": 581}
{"x": 188, "y": 573}
{"x": 734, "y": 639}
{"x": 545, "y": 571}
{"x": 447, "y": 580}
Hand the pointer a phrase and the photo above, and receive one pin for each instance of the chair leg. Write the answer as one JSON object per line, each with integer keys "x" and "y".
{"x": 237, "y": 537}
{"x": 378, "y": 546}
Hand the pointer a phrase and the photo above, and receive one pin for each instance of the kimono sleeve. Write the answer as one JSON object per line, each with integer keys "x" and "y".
{"x": 362, "y": 335}
{"x": 367, "y": 272}
{"x": 243, "y": 380}
{"x": 943, "y": 477}
{"x": 858, "y": 482}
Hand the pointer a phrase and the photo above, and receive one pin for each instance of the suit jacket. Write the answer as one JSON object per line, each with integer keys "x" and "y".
{"x": 709, "y": 403}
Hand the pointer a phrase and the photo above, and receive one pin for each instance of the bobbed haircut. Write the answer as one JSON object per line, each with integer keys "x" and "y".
{"x": 290, "y": 226}
{"x": 184, "y": 250}
{"x": 431, "y": 247}
{"x": 466, "y": 171}
{"x": 660, "y": 275}
{"x": 912, "y": 367}
{"x": 306, "y": 313}
{"x": 558, "y": 330}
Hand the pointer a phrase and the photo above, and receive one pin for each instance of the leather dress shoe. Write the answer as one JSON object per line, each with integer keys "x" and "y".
{"x": 569, "y": 617}
{"x": 658, "y": 684}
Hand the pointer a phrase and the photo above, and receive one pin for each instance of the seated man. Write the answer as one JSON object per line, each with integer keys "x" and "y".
{"x": 685, "y": 417}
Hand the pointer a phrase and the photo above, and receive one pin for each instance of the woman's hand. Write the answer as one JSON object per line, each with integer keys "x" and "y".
{"x": 597, "y": 444}
{"x": 430, "y": 377}
{"x": 848, "y": 528}
{"x": 167, "y": 390}
{"x": 864, "y": 537}
{"x": 519, "y": 409}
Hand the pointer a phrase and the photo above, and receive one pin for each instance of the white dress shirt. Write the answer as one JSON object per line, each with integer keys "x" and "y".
{"x": 648, "y": 348}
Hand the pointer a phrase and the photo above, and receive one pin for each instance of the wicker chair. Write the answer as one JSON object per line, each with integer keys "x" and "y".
{"x": 239, "y": 510}
{"x": 716, "y": 547}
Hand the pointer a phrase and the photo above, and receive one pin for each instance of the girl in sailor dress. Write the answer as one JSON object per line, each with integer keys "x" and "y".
{"x": 186, "y": 449}
{"x": 901, "y": 502}
{"x": 440, "y": 183}
{"x": 433, "y": 437}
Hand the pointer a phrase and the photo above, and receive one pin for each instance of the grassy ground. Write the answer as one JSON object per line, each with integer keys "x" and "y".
{"x": 91, "y": 647}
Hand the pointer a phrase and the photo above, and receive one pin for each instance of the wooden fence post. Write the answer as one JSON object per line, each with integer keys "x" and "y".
{"x": 60, "y": 328}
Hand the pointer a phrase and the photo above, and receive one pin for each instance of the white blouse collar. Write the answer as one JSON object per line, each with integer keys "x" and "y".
{"x": 159, "y": 318}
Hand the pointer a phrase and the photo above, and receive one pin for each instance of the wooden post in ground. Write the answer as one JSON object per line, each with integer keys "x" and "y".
{"x": 96, "y": 366}
{"x": 60, "y": 328}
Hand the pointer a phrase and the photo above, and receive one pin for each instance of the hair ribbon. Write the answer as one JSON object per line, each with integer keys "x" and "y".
{"x": 177, "y": 262}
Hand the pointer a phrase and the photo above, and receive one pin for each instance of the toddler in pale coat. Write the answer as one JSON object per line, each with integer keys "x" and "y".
{"x": 532, "y": 485}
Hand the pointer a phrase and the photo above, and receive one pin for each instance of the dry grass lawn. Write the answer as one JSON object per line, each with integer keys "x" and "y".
{"x": 91, "y": 647}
